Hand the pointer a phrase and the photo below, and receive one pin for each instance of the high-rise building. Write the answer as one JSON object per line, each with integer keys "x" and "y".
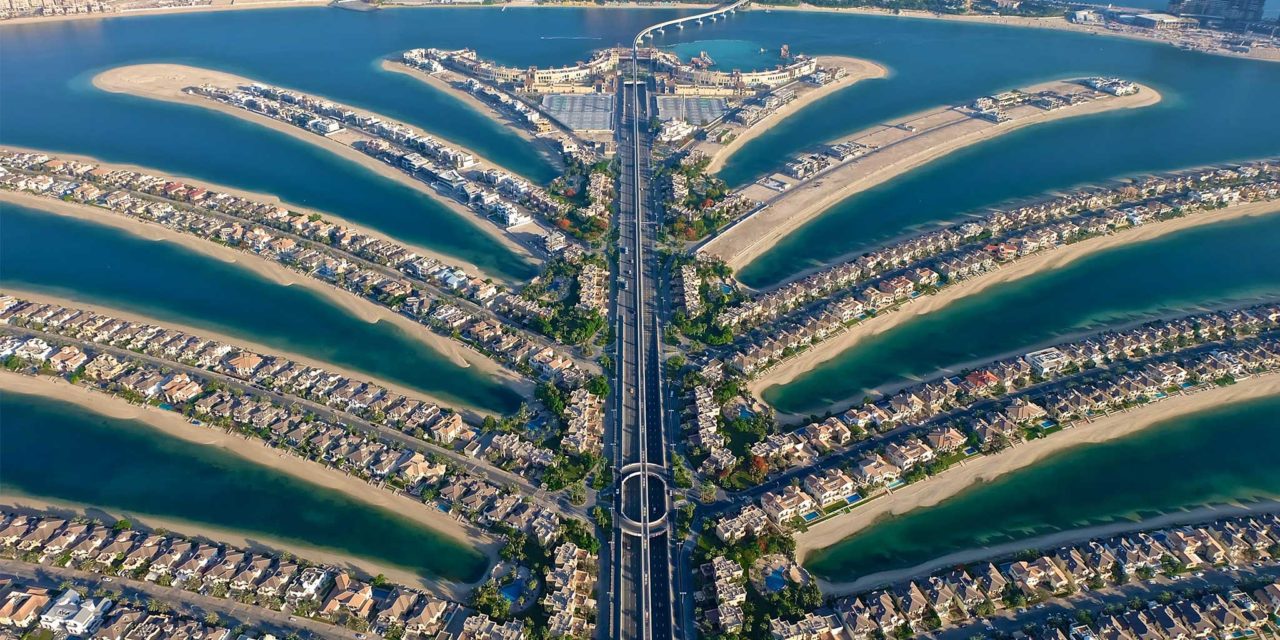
{"x": 1228, "y": 10}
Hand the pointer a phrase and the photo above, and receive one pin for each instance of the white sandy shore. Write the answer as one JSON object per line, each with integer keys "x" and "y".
{"x": 1057, "y": 23}
{"x": 240, "y": 5}
{"x": 174, "y": 424}
{"x": 750, "y": 237}
{"x": 271, "y": 199}
{"x": 1049, "y": 541}
{"x": 932, "y": 491}
{"x": 441, "y": 81}
{"x": 220, "y": 5}
{"x": 251, "y": 541}
{"x": 1049, "y": 260}
{"x": 166, "y": 82}
{"x": 858, "y": 70}
{"x": 359, "y": 307}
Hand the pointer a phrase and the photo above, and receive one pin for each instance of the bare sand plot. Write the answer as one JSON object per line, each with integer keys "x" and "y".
{"x": 856, "y": 70}
{"x": 894, "y": 148}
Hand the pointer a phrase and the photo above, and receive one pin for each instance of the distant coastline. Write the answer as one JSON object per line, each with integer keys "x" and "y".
{"x": 1056, "y": 23}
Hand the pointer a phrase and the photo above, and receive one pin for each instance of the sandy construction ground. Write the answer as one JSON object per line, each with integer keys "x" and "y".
{"x": 166, "y": 82}
{"x": 1050, "y": 541}
{"x": 255, "y": 451}
{"x": 932, "y": 491}
{"x": 806, "y": 95}
{"x": 1046, "y": 261}
{"x": 361, "y": 308}
{"x": 938, "y": 132}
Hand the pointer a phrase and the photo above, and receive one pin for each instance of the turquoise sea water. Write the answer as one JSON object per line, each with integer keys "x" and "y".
{"x": 1215, "y": 109}
{"x": 1222, "y": 263}
{"x": 61, "y": 256}
{"x": 1224, "y": 455}
{"x": 130, "y": 466}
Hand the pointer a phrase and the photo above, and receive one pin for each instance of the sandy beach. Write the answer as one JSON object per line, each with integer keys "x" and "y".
{"x": 166, "y": 82}
{"x": 217, "y": 5}
{"x": 239, "y": 342}
{"x": 942, "y": 131}
{"x": 252, "y": 541}
{"x": 858, "y": 70}
{"x": 174, "y": 424}
{"x": 271, "y": 199}
{"x": 359, "y": 307}
{"x": 241, "y": 5}
{"x": 441, "y": 81}
{"x": 1050, "y": 541}
{"x": 1029, "y": 266}
{"x": 1057, "y": 23}
{"x": 934, "y": 490}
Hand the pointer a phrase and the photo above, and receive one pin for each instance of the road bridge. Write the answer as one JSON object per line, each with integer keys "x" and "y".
{"x": 713, "y": 15}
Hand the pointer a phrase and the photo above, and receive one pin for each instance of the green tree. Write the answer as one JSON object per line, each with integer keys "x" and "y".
{"x": 598, "y": 386}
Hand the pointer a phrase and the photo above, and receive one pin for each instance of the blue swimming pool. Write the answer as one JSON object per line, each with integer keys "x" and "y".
{"x": 775, "y": 580}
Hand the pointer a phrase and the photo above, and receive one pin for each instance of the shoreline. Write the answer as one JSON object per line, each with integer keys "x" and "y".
{"x": 165, "y": 82}
{"x": 243, "y": 5}
{"x": 545, "y": 146}
{"x": 270, "y": 199}
{"x": 754, "y": 235}
{"x": 818, "y": 355}
{"x": 359, "y": 308}
{"x": 986, "y": 468}
{"x": 175, "y": 425}
{"x": 1183, "y": 517}
{"x": 859, "y": 69}
{"x": 18, "y": 501}
{"x": 160, "y": 11}
{"x": 1054, "y": 23}
{"x": 259, "y": 348}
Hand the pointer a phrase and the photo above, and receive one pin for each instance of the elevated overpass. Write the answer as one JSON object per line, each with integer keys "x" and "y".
{"x": 712, "y": 15}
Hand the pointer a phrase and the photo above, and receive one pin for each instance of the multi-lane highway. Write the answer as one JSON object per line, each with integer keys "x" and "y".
{"x": 639, "y": 601}
{"x": 641, "y": 592}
